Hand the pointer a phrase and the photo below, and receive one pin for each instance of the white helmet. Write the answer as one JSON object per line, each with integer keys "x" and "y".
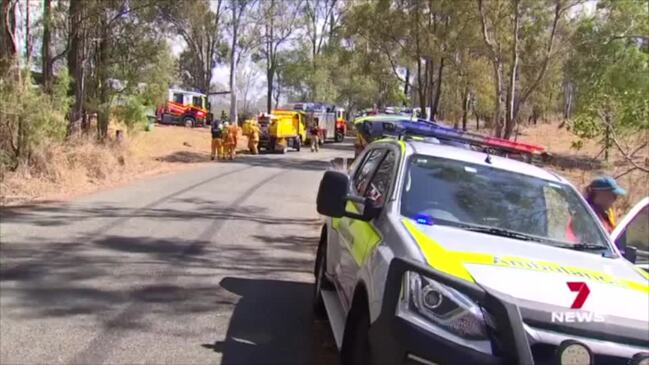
{"x": 225, "y": 124}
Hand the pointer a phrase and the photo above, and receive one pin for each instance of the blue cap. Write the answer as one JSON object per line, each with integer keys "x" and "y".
{"x": 607, "y": 183}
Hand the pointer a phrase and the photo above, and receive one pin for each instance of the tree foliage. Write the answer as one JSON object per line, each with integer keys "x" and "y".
{"x": 609, "y": 68}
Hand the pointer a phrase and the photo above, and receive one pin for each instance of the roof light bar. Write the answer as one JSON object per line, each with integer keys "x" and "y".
{"x": 431, "y": 129}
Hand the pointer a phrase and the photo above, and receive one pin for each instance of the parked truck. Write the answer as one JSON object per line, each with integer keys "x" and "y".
{"x": 328, "y": 118}
{"x": 282, "y": 129}
{"x": 183, "y": 107}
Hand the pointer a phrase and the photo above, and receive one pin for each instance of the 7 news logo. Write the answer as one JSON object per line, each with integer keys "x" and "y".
{"x": 576, "y": 315}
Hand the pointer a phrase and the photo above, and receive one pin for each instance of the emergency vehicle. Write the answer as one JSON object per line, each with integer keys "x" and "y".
{"x": 186, "y": 108}
{"x": 282, "y": 129}
{"x": 329, "y": 119}
{"x": 438, "y": 249}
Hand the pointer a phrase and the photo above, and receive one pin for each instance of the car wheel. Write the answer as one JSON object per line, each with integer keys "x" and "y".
{"x": 297, "y": 144}
{"x": 271, "y": 146}
{"x": 339, "y": 137}
{"x": 355, "y": 349}
{"x": 321, "y": 281}
{"x": 189, "y": 122}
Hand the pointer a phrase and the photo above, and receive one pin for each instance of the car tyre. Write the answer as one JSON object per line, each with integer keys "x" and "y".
{"x": 339, "y": 137}
{"x": 321, "y": 281}
{"x": 297, "y": 144}
{"x": 189, "y": 122}
{"x": 355, "y": 349}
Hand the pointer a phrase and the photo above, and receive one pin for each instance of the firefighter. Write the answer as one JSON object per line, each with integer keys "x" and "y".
{"x": 217, "y": 140}
{"x": 253, "y": 138}
{"x": 314, "y": 136}
{"x": 230, "y": 140}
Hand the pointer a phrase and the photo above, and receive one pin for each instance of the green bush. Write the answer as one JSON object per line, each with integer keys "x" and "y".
{"x": 30, "y": 118}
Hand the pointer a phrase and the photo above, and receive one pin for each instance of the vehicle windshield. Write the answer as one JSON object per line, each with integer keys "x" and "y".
{"x": 471, "y": 196}
{"x": 198, "y": 101}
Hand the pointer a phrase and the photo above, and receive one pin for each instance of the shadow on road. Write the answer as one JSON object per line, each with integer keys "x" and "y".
{"x": 185, "y": 157}
{"x": 347, "y": 147}
{"x": 285, "y": 162}
{"x": 60, "y": 215}
{"x": 272, "y": 324}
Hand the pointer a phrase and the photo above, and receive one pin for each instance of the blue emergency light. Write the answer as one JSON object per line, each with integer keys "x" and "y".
{"x": 424, "y": 219}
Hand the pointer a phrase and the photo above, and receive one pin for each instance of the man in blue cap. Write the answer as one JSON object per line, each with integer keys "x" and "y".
{"x": 601, "y": 194}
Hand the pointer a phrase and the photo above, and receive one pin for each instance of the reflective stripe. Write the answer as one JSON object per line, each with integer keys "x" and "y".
{"x": 438, "y": 257}
{"x": 452, "y": 262}
{"x": 364, "y": 236}
{"x": 402, "y": 144}
{"x": 642, "y": 272}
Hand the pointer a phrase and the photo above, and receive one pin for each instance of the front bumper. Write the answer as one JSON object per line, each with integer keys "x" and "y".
{"x": 395, "y": 340}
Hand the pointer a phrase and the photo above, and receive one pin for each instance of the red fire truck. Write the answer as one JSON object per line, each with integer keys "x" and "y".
{"x": 188, "y": 108}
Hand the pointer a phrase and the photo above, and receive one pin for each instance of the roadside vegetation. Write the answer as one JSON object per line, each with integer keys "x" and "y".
{"x": 569, "y": 74}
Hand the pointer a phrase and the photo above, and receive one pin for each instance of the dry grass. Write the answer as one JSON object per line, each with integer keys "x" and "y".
{"x": 581, "y": 166}
{"x": 83, "y": 166}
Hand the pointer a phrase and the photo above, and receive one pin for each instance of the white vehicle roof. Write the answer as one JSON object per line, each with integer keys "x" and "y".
{"x": 180, "y": 91}
{"x": 475, "y": 157}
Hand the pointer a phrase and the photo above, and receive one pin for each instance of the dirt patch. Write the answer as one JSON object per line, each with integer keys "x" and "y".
{"x": 83, "y": 166}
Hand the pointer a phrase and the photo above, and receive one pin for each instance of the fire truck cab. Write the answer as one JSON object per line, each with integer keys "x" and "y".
{"x": 186, "y": 108}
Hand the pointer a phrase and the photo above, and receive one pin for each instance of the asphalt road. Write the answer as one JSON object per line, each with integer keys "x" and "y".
{"x": 212, "y": 265}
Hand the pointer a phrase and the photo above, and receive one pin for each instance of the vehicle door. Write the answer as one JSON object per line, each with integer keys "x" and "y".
{"x": 633, "y": 231}
{"x": 357, "y": 238}
{"x": 176, "y": 107}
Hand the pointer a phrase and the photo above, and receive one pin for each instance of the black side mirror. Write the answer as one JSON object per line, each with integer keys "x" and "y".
{"x": 332, "y": 192}
{"x": 333, "y": 195}
{"x": 631, "y": 254}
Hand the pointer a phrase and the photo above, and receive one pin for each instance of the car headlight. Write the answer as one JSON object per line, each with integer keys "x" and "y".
{"x": 443, "y": 306}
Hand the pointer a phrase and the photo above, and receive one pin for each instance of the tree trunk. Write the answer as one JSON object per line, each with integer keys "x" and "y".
{"x": 75, "y": 64}
{"x": 438, "y": 89}
{"x": 465, "y": 107}
{"x": 270, "y": 74}
{"x": 430, "y": 83}
{"x": 7, "y": 35}
{"x": 103, "y": 113}
{"x": 270, "y": 57}
{"x": 498, "y": 74}
{"x": 233, "y": 66}
{"x": 28, "y": 35}
{"x": 567, "y": 100}
{"x": 406, "y": 84}
{"x": 45, "y": 48}
{"x": 421, "y": 90}
{"x": 510, "y": 117}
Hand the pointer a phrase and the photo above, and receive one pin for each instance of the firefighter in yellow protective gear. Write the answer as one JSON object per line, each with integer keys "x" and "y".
{"x": 217, "y": 139}
{"x": 253, "y": 138}
{"x": 230, "y": 141}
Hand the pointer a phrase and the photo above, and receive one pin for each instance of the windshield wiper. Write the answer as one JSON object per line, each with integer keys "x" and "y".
{"x": 499, "y": 232}
{"x": 583, "y": 246}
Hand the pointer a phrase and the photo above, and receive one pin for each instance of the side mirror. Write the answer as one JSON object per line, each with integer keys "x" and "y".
{"x": 333, "y": 196}
{"x": 631, "y": 254}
